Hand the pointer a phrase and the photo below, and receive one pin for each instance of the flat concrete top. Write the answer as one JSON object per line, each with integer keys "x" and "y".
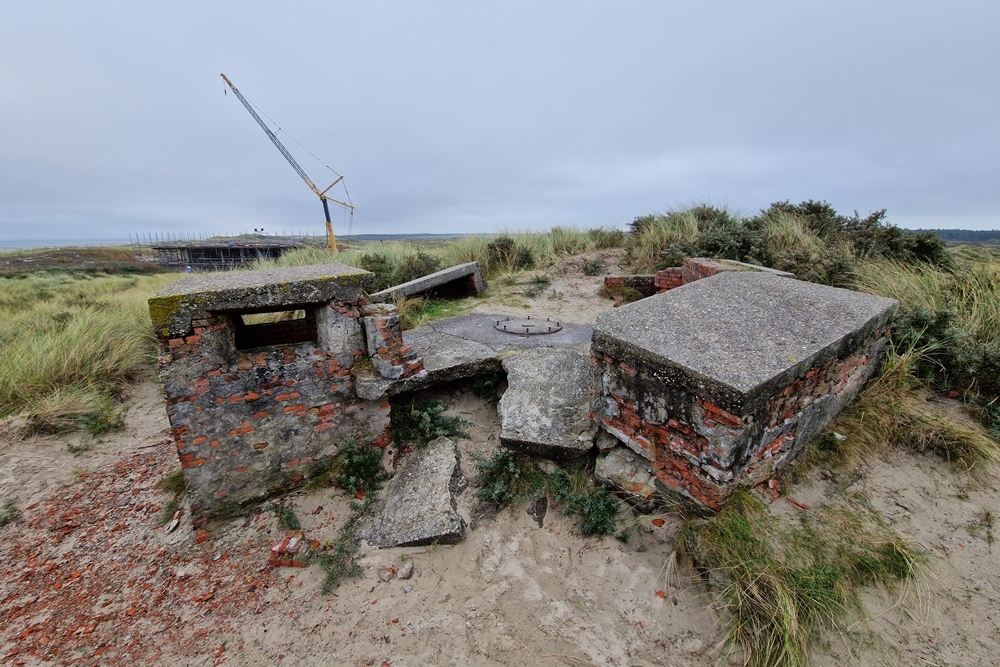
{"x": 174, "y": 306}
{"x": 464, "y": 346}
{"x": 740, "y": 329}
{"x": 289, "y": 277}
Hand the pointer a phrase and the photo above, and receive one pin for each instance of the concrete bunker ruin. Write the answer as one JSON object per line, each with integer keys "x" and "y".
{"x": 255, "y": 407}
{"x": 711, "y": 385}
{"x": 721, "y": 381}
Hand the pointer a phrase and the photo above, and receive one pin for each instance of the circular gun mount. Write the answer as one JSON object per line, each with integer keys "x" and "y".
{"x": 527, "y": 326}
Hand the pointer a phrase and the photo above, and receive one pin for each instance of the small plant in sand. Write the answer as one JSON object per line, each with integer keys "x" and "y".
{"x": 486, "y": 386}
{"x": 172, "y": 483}
{"x": 285, "y": 516}
{"x": 422, "y": 422}
{"x": 506, "y": 478}
{"x": 535, "y": 285}
{"x": 593, "y": 267}
{"x": 359, "y": 469}
{"x": 982, "y": 525}
{"x": 9, "y": 513}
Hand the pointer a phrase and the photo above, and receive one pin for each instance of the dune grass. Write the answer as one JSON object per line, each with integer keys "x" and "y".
{"x": 499, "y": 253}
{"x": 779, "y": 584}
{"x": 69, "y": 342}
{"x": 894, "y": 411}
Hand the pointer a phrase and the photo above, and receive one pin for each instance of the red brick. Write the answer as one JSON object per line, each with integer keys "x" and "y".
{"x": 193, "y": 464}
{"x": 260, "y": 445}
{"x": 242, "y": 430}
{"x": 293, "y": 408}
{"x": 287, "y": 397}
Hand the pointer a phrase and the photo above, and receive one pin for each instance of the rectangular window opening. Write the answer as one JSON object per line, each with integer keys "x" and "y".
{"x": 274, "y": 327}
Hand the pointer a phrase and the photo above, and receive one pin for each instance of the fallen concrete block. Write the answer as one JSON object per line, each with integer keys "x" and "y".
{"x": 417, "y": 506}
{"x": 546, "y": 410}
{"x": 455, "y": 281}
{"x": 626, "y": 470}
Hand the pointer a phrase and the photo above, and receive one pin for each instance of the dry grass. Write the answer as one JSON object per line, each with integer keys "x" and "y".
{"x": 894, "y": 411}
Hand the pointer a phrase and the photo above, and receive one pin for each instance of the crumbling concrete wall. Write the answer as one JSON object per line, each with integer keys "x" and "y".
{"x": 720, "y": 382}
{"x": 256, "y": 408}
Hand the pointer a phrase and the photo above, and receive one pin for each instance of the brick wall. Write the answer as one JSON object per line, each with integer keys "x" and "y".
{"x": 668, "y": 279}
{"x": 249, "y": 424}
{"x": 702, "y": 451}
{"x": 248, "y": 336}
{"x": 384, "y": 337}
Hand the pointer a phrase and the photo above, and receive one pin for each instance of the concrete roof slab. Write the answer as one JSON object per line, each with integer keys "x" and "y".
{"x": 737, "y": 333}
{"x": 174, "y": 306}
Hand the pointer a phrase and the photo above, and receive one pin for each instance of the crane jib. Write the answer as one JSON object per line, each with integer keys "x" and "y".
{"x": 295, "y": 165}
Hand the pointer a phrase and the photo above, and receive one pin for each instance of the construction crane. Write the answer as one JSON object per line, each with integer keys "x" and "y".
{"x": 298, "y": 169}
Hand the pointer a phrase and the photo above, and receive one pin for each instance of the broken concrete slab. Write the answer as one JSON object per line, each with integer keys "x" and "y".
{"x": 459, "y": 281}
{"x": 626, "y": 470}
{"x": 455, "y": 348}
{"x": 548, "y": 406}
{"x": 417, "y": 506}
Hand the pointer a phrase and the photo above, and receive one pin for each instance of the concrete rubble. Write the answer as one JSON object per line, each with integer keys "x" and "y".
{"x": 548, "y": 406}
{"x": 417, "y": 506}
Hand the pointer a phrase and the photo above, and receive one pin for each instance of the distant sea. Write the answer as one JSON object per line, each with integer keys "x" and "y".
{"x": 8, "y": 244}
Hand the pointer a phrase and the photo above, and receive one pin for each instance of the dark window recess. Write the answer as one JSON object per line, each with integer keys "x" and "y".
{"x": 285, "y": 327}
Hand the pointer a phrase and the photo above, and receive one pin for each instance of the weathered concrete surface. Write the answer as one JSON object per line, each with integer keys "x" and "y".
{"x": 736, "y": 335}
{"x": 459, "y": 280}
{"x": 721, "y": 381}
{"x": 626, "y": 470}
{"x": 417, "y": 506}
{"x": 455, "y": 348}
{"x": 548, "y": 406}
{"x": 176, "y": 305}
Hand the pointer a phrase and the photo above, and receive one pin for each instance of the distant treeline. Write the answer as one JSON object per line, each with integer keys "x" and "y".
{"x": 991, "y": 236}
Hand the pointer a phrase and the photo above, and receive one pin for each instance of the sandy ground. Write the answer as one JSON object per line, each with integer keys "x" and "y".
{"x": 87, "y": 578}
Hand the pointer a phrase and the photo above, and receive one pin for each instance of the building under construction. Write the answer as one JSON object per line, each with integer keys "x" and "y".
{"x": 217, "y": 254}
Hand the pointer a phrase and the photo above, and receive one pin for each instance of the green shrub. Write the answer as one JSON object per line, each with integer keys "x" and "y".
{"x": 416, "y": 266}
{"x": 504, "y": 255}
{"x": 383, "y": 268}
{"x": 419, "y": 423}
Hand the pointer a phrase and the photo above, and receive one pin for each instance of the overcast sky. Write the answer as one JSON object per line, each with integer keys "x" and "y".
{"x": 468, "y": 116}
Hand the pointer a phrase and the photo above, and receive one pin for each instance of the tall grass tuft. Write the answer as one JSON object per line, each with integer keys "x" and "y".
{"x": 780, "y": 584}
{"x": 893, "y": 412}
